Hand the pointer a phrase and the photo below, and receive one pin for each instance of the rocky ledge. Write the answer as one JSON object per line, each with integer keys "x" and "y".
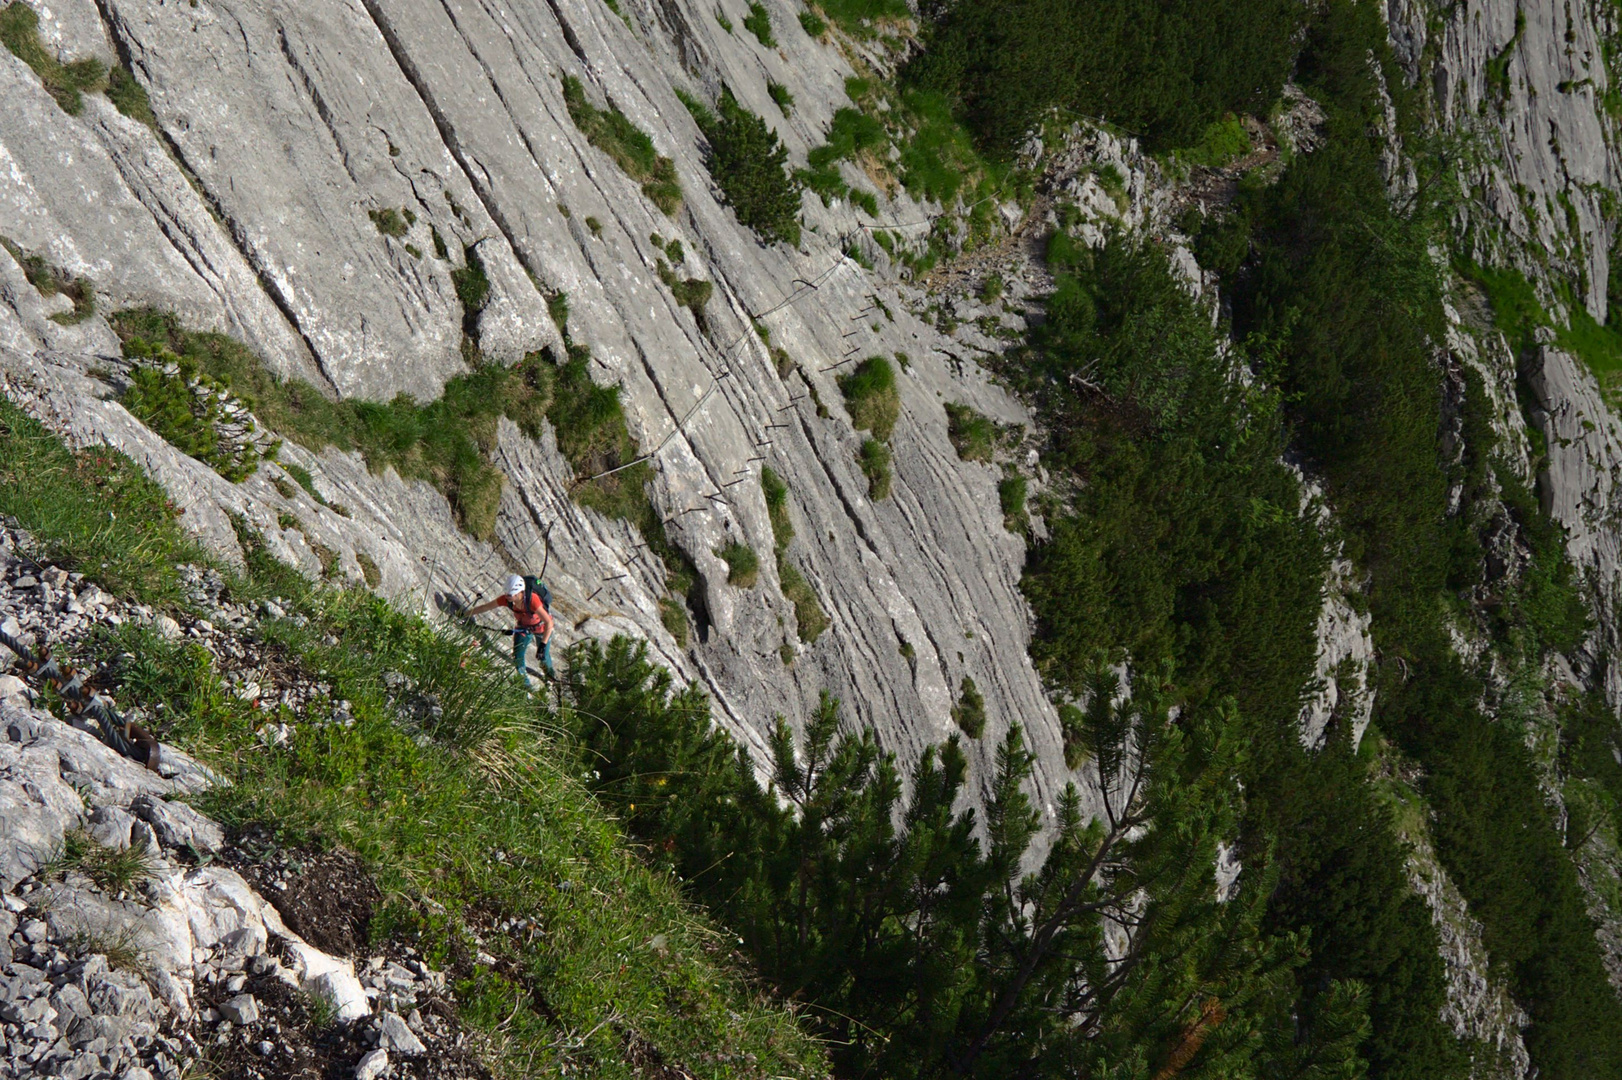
{"x": 139, "y": 939}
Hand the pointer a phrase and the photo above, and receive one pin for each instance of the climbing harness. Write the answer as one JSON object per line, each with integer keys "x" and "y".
{"x": 128, "y": 738}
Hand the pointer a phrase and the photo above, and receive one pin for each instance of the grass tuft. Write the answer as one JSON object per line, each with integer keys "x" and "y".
{"x": 743, "y": 565}
{"x": 19, "y": 32}
{"x": 809, "y": 617}
{"x": 111, "y": 870}
{"x": 973, "y": 435}
{"x": 759, "y": 23}
{"x": 49, "y": 281}
{"x": 871, "y": 397}
{"x": 631, "y": 148}
{"x": 874, "y": 458}
{"x": 780, "y": 94}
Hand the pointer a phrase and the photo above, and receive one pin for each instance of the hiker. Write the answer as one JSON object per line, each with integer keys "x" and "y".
{"x": 527, "y": 599}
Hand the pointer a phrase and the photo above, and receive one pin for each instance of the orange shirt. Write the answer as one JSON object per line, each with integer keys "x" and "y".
{"x": 534, "y": 617}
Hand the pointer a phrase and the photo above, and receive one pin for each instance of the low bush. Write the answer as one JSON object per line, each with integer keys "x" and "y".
{"x": 187, "y": 408}
{"x": 871, "y": 397}
{"x": 631, "y": 148}
{"x": 970, "y": 711}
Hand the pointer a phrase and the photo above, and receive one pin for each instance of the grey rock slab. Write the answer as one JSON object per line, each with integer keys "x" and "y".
{"x": 110, "y": 826}
{"x": 373, "y": 1065}
{"x": 316, "y": 88}
{"x": 241, "y": 1010}
{"x": 395, "y": 1036}
{"x": 70, "y": 200}
{"x": 178, "y": 825}
{"x": 36, "y": 808}
{"x": 1546, "y": 141}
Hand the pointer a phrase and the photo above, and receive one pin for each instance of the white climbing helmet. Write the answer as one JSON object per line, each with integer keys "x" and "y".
{"x": 515, "y": 585}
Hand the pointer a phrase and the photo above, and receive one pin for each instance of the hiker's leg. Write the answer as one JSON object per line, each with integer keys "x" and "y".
{"x": 546, "y": 659}
{"x": 520, "y": 652}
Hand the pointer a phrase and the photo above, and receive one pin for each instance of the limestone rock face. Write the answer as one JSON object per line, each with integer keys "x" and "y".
{"x": 1524, "y": 84}
{"x": 1584, "y": 488}
{"x": 288, "y": 130}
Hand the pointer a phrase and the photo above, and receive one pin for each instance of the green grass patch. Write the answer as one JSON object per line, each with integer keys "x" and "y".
{"x": 743, "y": 565}
{"x": 1223, "y": 141}
{"x": 49, "y": 281}
{"x": 631, "y": 148}
{"x": 130, "y": 98}
{"x": 486, "y": 819}
{"x": 775, "y": 488}
{"x": 759, "y": 23}
{"x": 810, "y": 620}
{"x": 877, "y": 15}
{"x": 812, "y": 23}
{"x": 872, "y": 398}
{"x": 445, "y": 442}
{"x": 874, "y": 458}
{"x": 19, "y": 32}
{"x": 391, "y": 222}
{"x": 93, "y": 511}
{"x": 691, "y": 293}
{"x": 973, "y": 435}
{"x": 780, "y": 94}
{"x": 1518, "y": 313}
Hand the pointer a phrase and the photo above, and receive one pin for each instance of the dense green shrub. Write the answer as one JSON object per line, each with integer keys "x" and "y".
{"x": 928, "y": 950}
{"x": 1161, "y": 68}
{"x": 970, "y": 711}
{"x": 631, "y": 148}
{"x": 749, "y": 162}
{"x": 1349, "y": 290}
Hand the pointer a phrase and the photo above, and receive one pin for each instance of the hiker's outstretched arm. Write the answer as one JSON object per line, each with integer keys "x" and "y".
{"x": 489, "y": 605}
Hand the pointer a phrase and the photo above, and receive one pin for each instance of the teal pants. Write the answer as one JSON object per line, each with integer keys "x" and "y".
{"x": 521, "y": 643}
